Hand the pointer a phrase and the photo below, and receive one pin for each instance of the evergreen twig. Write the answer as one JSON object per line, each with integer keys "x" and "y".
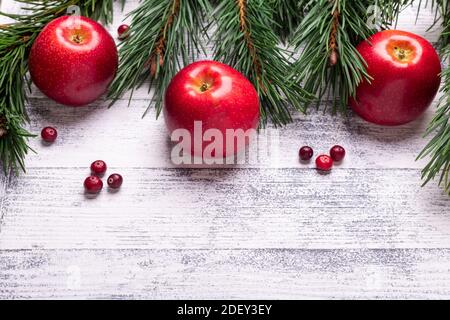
{"x": 245, "y": 40}
{"x": 438, "y": 148}
{"x": 329, "y": 63}
{"x": 165, "y": 35}
{"x": 287, "y": 16}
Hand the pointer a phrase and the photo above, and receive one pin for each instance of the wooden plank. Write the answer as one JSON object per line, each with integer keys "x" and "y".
{"x": 226, "y": 208}
{"x": 3, "y": 186}
{"x": 367, "y": 230}
{"x": 219, "y": 274}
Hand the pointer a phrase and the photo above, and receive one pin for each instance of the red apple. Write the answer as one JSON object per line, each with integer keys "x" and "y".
{"x": 215, "y": 94}
{"x": 73, "y": 60}
{"x": 406, "y": 76}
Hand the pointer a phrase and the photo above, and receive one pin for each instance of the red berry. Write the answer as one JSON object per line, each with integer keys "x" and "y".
{"x": 324, "y": 162}
{"x": 337, "y": 153}
{"x": 115, "y": 181}
{"x": 98, "y": 167}
{"x": 49, "y": 134}
{"x": 123, "y": 31}
{"x": 93, "y": 184}
{"x": 306, "y": 153}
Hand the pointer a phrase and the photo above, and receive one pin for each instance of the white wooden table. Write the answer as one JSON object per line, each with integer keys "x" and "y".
{"x": 276, "y": 229}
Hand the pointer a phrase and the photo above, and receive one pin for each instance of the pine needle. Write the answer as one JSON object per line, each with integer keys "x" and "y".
{"x": 165, "y": 35}
{"x": 438, "y": 148}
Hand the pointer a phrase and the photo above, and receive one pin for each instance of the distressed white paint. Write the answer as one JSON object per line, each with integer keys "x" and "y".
{"x": 225, "y": 274}
{"x": 226, "y": 208}
{"x": 367, "y": 230}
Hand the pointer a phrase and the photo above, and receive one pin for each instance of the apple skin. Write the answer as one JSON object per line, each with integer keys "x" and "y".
{"x": 229, "y": 102}
{"x": 73, "y": 62}
{"x": 404, "y": 82}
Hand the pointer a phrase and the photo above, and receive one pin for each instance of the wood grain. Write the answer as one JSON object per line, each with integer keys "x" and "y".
{"x": 225, "y": 274}
{"x": 226, "y": 208}
{"x": 367, "y": 230}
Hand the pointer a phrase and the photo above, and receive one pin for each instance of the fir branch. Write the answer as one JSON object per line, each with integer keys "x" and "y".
{"x": 99, "y": 10}
{"x": 245, "y": 40}
{"x": 43, "y": 11}
{"x": 438, "y": 148}
{"x": 13, "y": 141}
{"x": 15, "y": 42}
{"x": 389, "y": 11}
{"x": 442, "y": 17}
{"x": 165, "y": 35}
{"x": 443, "y": 7}
{"x": 328, "y": 34}
{"x": 287, "y": 16}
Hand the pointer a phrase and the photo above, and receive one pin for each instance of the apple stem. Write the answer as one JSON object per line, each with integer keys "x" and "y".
{"x": 77, "y": 39}
{"x": 401, "y": 53}
{"x": 204, "y": 87}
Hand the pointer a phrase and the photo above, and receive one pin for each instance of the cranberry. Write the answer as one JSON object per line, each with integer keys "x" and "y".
{"x": 306, "y": 153}
{"x": 123, "y": 31}
{"x": 98, "y": 167}
{"x": 115, "y": 181}
{"x": 93, "y": 184}
{"x": 49, "y": 134}
{"x": 324, "y": 162}
{"x": 337, "y": 153}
